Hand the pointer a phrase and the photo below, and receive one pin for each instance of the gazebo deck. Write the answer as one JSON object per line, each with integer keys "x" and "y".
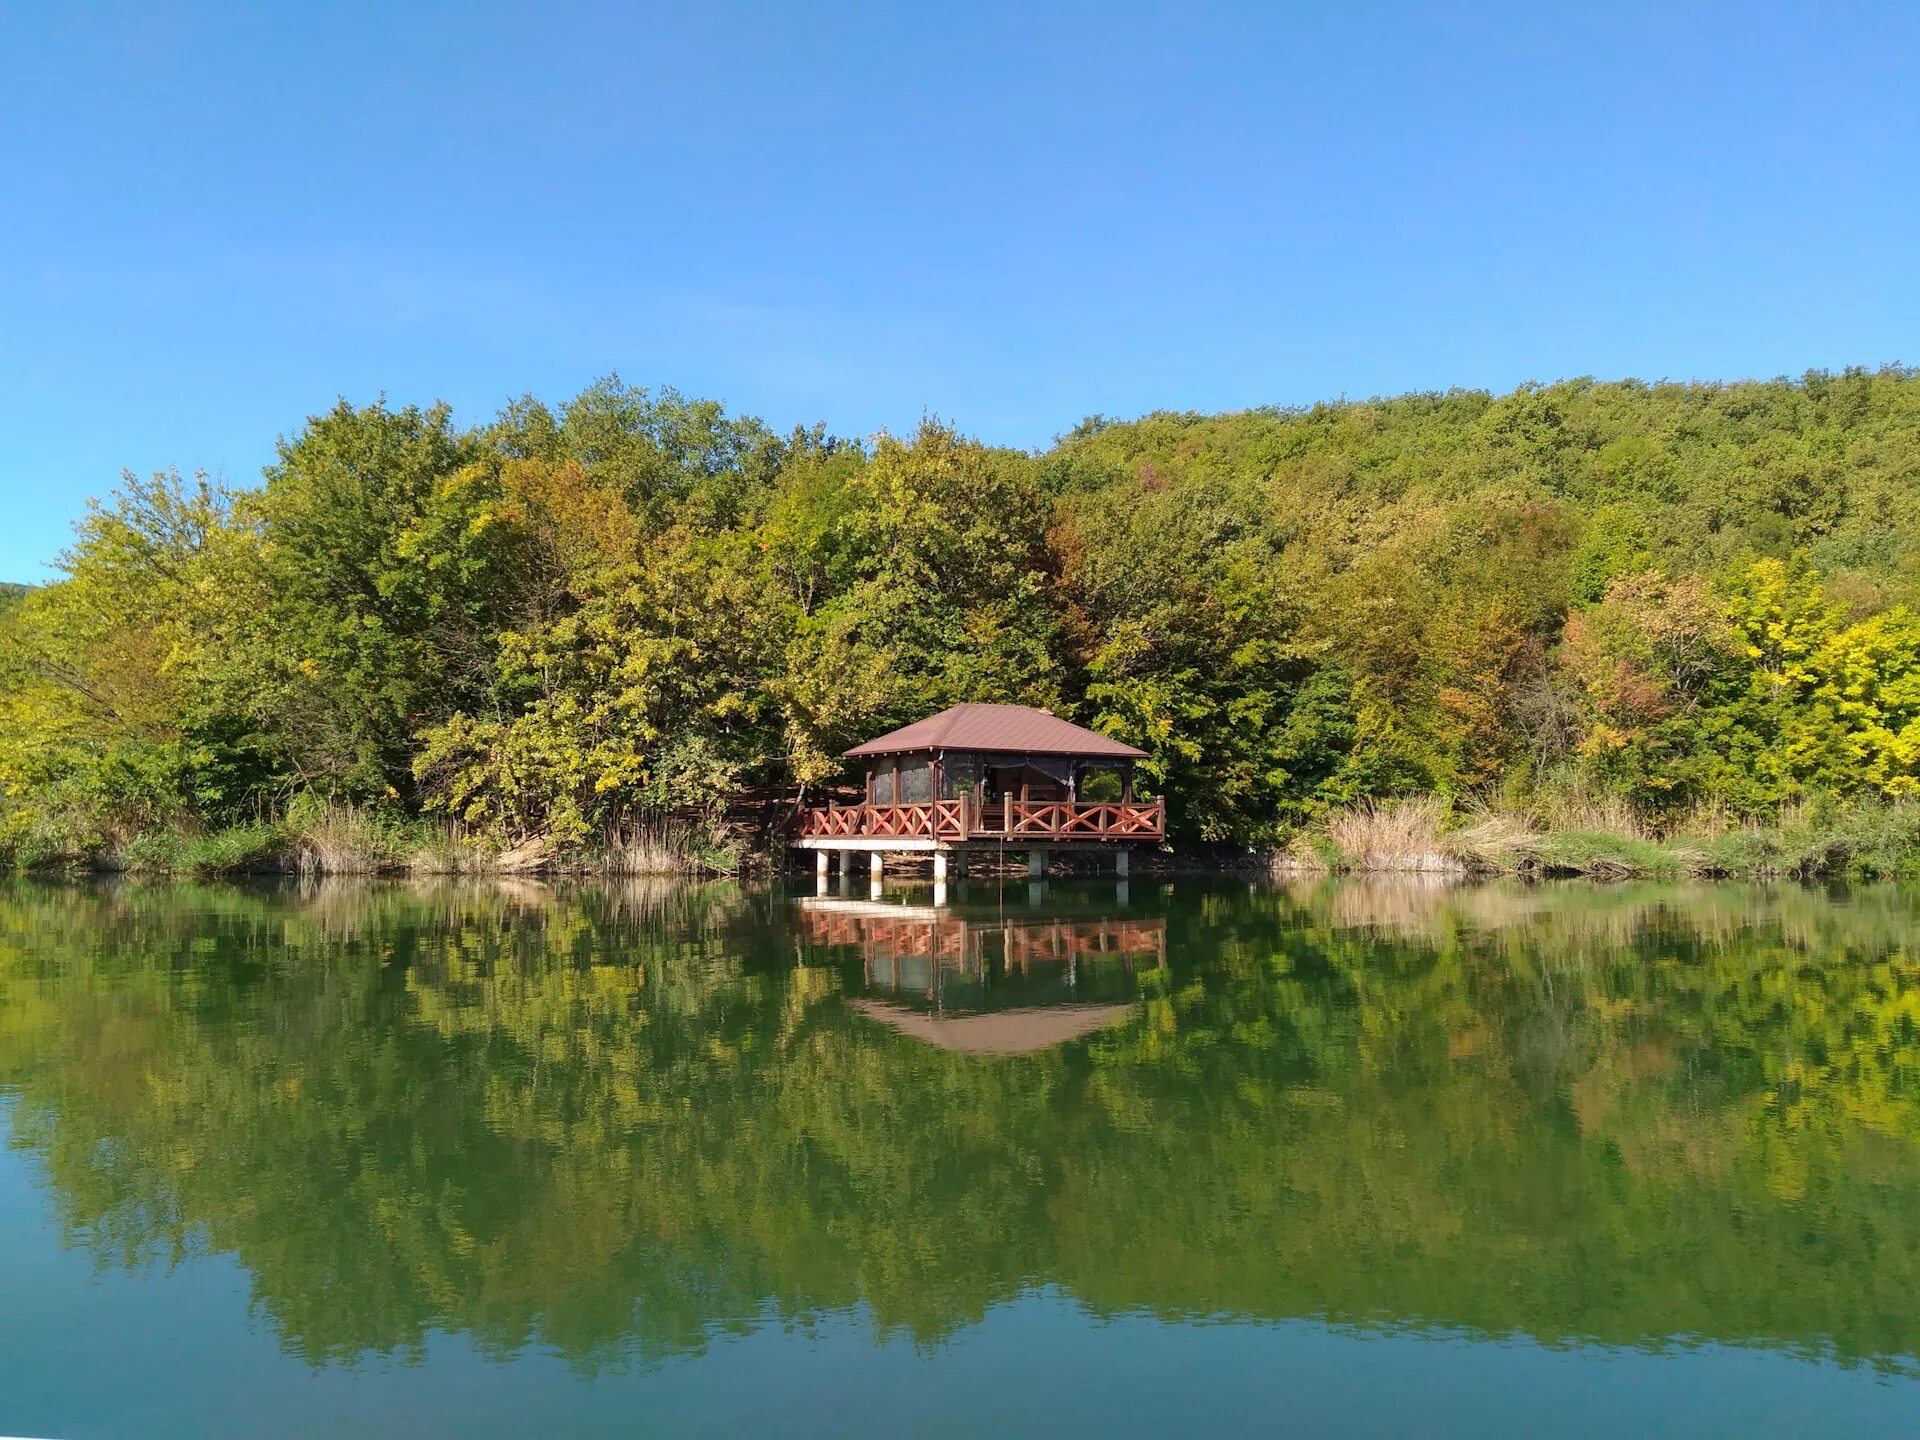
{"x": 964, "y": 820}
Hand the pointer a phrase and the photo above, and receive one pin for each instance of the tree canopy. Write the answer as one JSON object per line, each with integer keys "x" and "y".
{"x": 1668, "y": 596}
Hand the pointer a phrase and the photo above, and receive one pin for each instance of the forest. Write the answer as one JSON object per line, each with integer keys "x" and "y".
{"x": 1666, "y": 609}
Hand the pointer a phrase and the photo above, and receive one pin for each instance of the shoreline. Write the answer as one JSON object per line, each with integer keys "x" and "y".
{"x": 1419, "y": 835}
{"x": 1550, "y": 860}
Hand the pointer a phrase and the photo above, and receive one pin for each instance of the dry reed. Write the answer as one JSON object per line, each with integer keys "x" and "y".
{"x": 1394, "y": 835}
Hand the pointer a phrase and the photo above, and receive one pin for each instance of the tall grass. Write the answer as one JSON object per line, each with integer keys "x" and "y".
{"x": 332, "y": 837}
{"x": 315, "y": 837}
{"x": 234, "y": 850}
{"x": 1868, "y": 840}
{"x": 1393, "y": 835}
{"x": 320, "y": 837}
{"x": 670, "y": 845}
{"x": 59, "y": 838}
{"x": 1859, "y": 839}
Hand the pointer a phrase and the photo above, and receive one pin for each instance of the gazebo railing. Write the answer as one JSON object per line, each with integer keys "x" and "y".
{"x": 1084, "y": 819}
{"x": 967, "y": 818}
{"x": 930, "y": 820}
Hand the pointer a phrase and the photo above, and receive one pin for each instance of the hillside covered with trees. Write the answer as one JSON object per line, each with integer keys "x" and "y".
{"x": 1668, "y": 600}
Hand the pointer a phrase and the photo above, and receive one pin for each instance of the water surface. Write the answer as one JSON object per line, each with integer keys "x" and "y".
{"x": 1366, "y": 1159}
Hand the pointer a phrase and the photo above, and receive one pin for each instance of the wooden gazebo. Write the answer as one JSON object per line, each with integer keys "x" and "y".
{"x": 979, "y": 777}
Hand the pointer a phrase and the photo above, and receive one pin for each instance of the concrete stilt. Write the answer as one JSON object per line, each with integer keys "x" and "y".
{"x": 1036, "y": 863}
{"x": 820, "y": 861}
{"x": 1122, "y": 863}
{"x": 876, "y": 864}
{"x": 939, "y": 893}
{"x": 942, "y": 865}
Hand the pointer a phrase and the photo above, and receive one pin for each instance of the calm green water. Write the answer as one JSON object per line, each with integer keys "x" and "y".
{"x": 1355, "y": 1159}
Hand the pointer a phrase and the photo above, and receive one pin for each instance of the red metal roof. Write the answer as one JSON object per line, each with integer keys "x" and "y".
{"x": 1005, "y": 729}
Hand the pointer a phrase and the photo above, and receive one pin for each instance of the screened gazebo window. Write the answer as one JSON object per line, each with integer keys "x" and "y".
{"x": 959, "y": 775}
{"x": 916, "y": 780}
{"x": 883, "y": 783}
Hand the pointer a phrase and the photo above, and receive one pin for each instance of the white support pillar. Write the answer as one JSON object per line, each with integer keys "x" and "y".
{"x": 942, "y": 866}
{"x": 1036, "y": 863}
{"x": 876, "y": 864}
{"x": 1122, "y": 862}
{"x": 820, "y": 859}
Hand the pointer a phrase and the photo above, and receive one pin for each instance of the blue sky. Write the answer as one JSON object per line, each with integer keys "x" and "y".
{"x": 218, "y": 218}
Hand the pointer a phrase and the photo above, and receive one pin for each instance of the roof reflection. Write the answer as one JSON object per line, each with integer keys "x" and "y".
{"x": 1002, "y": 1032}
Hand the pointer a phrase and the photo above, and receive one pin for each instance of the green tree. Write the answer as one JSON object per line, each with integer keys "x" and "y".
{"x": 361, "y": 620}
{"x": 921, "y": 580}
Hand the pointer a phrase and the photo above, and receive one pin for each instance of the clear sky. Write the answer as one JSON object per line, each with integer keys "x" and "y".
{"x": 215, "y": 219}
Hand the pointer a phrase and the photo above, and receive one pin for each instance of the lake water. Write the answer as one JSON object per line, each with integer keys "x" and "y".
{"x": 1340, "y": 1158}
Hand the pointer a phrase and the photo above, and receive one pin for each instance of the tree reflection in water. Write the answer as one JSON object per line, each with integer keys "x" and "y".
{"x": 617, "y": 1121}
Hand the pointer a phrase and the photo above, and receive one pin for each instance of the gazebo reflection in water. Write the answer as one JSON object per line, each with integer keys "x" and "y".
{"x": 984, "y": 980}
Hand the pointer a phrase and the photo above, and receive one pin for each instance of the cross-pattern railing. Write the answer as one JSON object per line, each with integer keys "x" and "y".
{"x": 1085, "y": 820}
{"x": 964, "y": 819}
{"x": 931, "y": 820}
